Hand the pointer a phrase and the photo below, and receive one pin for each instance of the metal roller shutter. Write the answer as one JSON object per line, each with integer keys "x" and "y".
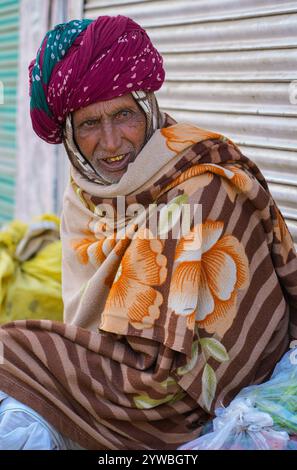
{"x": 229, "y": 66}
{"x": 9, "y": 37}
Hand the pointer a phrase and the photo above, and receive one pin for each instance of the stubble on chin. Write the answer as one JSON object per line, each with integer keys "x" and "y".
{"x": 109, "y": 176}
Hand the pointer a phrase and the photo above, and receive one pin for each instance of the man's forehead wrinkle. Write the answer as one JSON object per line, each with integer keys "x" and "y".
{"x": 108, "y": 108}
{"x": 97, "y": 115}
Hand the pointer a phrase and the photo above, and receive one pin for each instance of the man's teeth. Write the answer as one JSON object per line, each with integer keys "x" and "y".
{"x": 114, "y": 159}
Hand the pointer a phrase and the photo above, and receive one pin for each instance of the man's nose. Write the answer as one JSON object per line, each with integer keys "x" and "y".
{"x": 110, "y": 138}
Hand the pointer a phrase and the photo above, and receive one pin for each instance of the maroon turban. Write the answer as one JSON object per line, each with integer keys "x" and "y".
{"x": 82, "y": 62}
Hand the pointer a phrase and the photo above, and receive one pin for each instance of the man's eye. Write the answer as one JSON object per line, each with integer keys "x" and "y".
{"x": 123, "y": 114}
{"x": 89, "y": 123}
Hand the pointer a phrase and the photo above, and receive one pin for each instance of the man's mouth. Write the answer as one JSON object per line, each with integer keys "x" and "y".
{"x": 114, "y": 159}
{"x": 118, "y": 162}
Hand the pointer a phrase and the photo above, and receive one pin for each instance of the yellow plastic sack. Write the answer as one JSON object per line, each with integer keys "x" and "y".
{"x": 30, "y": 270}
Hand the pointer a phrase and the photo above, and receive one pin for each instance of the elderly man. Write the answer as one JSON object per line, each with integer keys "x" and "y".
{"x": 158, "y": 329}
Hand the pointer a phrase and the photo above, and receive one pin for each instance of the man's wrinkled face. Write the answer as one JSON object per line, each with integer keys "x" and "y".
{"x": 110, "y": 134}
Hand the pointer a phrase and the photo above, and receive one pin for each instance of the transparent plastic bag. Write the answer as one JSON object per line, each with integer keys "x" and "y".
{"x": 261, "y": 417}
{"x": 278, "y": 396}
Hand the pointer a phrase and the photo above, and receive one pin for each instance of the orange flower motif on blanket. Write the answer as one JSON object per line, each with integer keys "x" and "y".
{"x": 94, "y": 246}
{"x": 233, "y": 178}
{"x": 181, "y": 136}
{"x": 133, "y": 298}
{"x": 207, "y": 276}
{"x": 236, "y": 181}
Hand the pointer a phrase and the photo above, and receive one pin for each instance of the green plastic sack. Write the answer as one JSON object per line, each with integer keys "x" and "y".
{"x": 30, "y": 270}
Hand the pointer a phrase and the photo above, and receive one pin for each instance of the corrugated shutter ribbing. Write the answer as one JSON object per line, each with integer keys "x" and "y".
{"x": 9, "y": 36}
{"x": 229, "y": 65}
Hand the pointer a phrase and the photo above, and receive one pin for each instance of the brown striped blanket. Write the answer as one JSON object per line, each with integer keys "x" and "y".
{"x": 164, "y": 321}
